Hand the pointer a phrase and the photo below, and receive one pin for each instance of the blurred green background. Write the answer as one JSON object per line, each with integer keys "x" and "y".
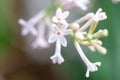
{"x": 19, "y": 62}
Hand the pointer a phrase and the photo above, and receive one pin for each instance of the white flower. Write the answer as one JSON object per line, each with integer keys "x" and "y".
{"x": 91, "y": 67}
{"x": 57, "y": 57}
{"x": 60, "y": 16}
{"x": 40, "y": 40}
{"x": 28, "y": 26}
{"x": 59, "y": 34}
{"x": 99, "y": 15}
{"x": 81, "y": 3}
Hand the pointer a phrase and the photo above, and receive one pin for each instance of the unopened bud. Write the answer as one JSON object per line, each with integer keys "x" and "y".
{"x": 100, "y": 34}
{"x": 75, "y": 26}
{"x": 100, "y": 49}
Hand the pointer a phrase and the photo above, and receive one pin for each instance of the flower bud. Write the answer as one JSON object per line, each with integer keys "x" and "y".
{"x": 100, "y": 34}
{"x": 75, "y": 27}
{"x": 100, "y": 49}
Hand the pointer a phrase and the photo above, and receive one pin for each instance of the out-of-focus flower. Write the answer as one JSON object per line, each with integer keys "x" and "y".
{"x": 99, "y": 15}
{"x": 60, "y": 16}
{"x": 40, "y": 40}
{"x": 80, "y": 3}
{"x": 59, "y": 34}
{"x": 28, "y": 26}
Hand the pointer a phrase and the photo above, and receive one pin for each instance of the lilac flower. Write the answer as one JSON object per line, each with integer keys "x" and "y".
{"x": 60, "y": 16}
{"x": 59, "y": 34}
{"x": 40, "y": 40}
{"x": 57, "y": 57}
{"x": 28, "y": 26}
{"x": 91, "y": 67}
{"x": 99, "y": 15}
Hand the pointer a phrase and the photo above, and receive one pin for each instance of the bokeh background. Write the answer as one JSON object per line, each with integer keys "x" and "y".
{"x": 18, "y": 61}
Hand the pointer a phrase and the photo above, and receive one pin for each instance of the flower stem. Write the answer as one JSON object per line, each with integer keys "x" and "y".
{"x": 82, "y": 55}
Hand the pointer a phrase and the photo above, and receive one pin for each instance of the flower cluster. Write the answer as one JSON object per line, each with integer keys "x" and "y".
{"x": 59, "y": 28}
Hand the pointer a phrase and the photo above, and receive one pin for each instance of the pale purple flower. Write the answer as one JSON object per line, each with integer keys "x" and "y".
{"x": 57, "y": 57}
{"x": 28, "y": 26}
{"x": 60, "y": 16}
{"x": 91, "y": 67}
{"x": 59, "y": 34}
{"x": 99, "y": 15}
{"x": 40, "y": 40}
{"x": 80, "y": 3}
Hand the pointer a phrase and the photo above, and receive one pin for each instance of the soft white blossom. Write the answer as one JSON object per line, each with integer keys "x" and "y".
{"x": 60, "y": 16}
{"x": 99, "y": 15}
{"x": 59, "y": 34}
{"x": 57, "y": 57}
{"x": 28, "y": 26}
{"x": 40, "y": 38}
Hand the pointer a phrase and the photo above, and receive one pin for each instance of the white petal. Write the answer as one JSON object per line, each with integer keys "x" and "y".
{"x": 40, "y": 43}
{"x": 58, "y": 12}
{"x": 65, "y": 14}
{"x": 22, "y": 22}
{"x": 87, "y": 73}
{"x": 68, "y": 31}
{"x": 57, "y": 59}
{"x": 99, "y": 10}
{"x": 64, "y": 22}
{"x": 25, "y": 30}
{"x": 63, "y": 41}
{"x": 52, "y": 38}
{"x": 54, "y": 19}
{"x": 98, "y": 64}
{"x": 60, "y": 60}
{"x": 55, "y": 28}
{"x": 102, "y": 16}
